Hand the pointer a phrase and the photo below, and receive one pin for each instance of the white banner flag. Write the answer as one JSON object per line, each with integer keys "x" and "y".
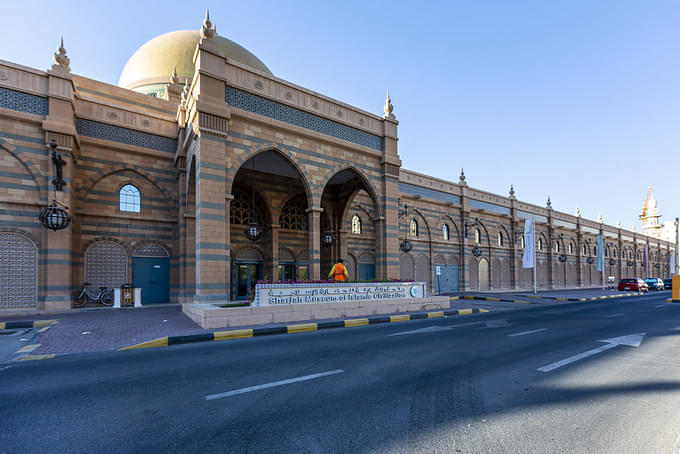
{"x": 673, "y": 263}
{"x": 528, "y": 256}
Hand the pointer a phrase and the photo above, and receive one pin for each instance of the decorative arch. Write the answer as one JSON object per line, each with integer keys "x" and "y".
{"x": 367, "y": 186}
{"x": 496, "y": 273}
{"x": 19, "y": 273}
{"x": 106, "y": 264}
{"x": 483, "y": 276}
{"x": 312, "y": 191}
{"x": 351, "y": 266}
{"x": 151, "y": 249}
{"x": 119, "y": 168}
{"x": 406, "y": 267}
{"x": 449, "y": 220}
{"x": 30, "y": 166}
{"x": 249, "y": 254}
{"x": 439, "y": 260}
{"x": 293, "y": 214}
{"x": 286, "y": 255}
{"x": 423, "y": 268}
{"x": 422, "y": 221}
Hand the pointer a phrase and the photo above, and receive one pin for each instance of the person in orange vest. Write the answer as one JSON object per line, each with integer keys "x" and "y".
{"x": 339, "y": 272}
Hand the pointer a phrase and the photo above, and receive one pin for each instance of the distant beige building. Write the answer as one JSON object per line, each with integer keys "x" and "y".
{"x": 203, "y": 172}
{"x": 651, "y": 225}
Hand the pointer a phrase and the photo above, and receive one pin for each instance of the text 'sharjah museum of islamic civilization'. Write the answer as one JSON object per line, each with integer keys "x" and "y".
{"x": 202, "y": 172}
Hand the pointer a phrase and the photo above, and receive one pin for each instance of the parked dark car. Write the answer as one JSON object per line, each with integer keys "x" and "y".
{"x": 654, "y": 283}
{"x": 668, "y": 283}
{"x": 636, "y": 285}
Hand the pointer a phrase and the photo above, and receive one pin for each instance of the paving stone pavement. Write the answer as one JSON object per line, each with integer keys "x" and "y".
{"x": 108, "y": 329}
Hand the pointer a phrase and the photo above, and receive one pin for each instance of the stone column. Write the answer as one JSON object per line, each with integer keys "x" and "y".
{"x": 59, "y": 126}
{"x": 212, "y": 256}
{"x": 314, "y": 242}
{"x": 387, "y": 221}
{"x": 227, "y": 241}
{"x": 275, "y": 251}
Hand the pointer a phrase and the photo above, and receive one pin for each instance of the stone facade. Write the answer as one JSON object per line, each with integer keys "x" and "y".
{"x": 242, "y": 146}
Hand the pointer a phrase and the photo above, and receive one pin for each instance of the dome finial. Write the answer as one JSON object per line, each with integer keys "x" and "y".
{"x": 512, "y": 192}
{"x": 60, "y": 58}
{"x": 207, "y": 29}
{"x": 461, "y": 179}
{"x": 599, "y": 219}
{"x": 388, "y": 107}
{"x": 548, "y": 203}
{"x": 173, "y": 78}
{"x": 577, "y": 213}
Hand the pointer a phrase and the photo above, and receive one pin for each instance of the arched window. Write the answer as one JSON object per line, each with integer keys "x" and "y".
{"x": 413, "y": 228}
{"x": 129, "y": 199}
{"x": 522, "y": 241}
{"x": 445, "y": 232}
{"x": 478, "y": 236}
{"x": 571, "y": 248}
{"x": 585, "y": 250}
{"x": 557, "y": 246}
{"x": 540, "y": 244}
{"x": 356, "y": 225}
{"x": 500, "y": 238}
{"x": 594, "y": 250}
{"x": 294, "y": 214}
{"x": 606, "y": 252}
{"x": 242, "y": 210}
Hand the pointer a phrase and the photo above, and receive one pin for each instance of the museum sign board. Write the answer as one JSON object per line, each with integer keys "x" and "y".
{"x": 283, "y": 294}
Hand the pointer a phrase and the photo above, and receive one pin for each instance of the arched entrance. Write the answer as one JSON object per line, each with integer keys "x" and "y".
{"x": 349, "y": 206}
{"x": 270, "y": 191}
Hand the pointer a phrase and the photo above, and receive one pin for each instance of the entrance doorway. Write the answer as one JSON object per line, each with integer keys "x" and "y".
{"x": 152, "y": 275}
{"x": 287, "y": 271}
{"x": 247, "y": 275}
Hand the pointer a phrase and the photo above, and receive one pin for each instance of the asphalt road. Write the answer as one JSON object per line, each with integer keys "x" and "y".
{"x": 461, "y": 384}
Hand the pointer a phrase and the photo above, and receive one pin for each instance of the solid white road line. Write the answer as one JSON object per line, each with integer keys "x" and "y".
{"x": 528, "y": 332}
{"x": 616, "y": 315}
{"x": 273, "y": 384}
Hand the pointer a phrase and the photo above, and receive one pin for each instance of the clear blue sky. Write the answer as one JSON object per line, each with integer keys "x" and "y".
{"x": 576, "y": 99}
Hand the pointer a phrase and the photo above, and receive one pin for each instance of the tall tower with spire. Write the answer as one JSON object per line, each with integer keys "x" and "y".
{"x": 650, "y": 216}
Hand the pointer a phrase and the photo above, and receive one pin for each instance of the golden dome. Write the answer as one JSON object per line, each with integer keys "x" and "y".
{"x": 155, "y": 61}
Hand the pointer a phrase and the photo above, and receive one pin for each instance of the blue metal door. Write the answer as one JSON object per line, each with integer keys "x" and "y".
{"x": 152, "y": 275}
{"x": 366, "y": 271}
{"x": 448, "y": 281}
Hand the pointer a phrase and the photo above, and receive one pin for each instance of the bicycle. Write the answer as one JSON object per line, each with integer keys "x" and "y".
{"x": 104, "y": 296}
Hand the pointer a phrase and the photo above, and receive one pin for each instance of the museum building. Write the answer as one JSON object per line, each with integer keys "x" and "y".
{"x": 202, "y": 172}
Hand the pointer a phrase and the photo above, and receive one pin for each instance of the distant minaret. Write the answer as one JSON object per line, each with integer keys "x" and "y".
{"x": 650, "y": 217}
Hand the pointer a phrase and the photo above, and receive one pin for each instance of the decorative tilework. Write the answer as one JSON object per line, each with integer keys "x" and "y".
{"x": 262, "y": 106}
{"x": 24, "y": 102}
{"x": 18, "y": 272}
{"x": 124, "y": 135}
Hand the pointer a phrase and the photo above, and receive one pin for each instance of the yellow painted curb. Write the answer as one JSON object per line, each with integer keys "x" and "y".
{"x": 522, "y": 301}
{"x": 356, "y": 322}
{"x": 161, "y": 342}
{"x": 469, "y": 297}
{"x": 534, "y": 296}
{"x": 582, "y": 299}
{"x": 27, "y": 348}
{"x": 435, "y": 314}
{"x": 302, "y": 327}
{"x": 41, "y": 323}
{"x": 671, "y": 300}
{"x": 36, "y": 357}
{"x": 453, "y": 298}
{"x": 464, "y": 311}
{"x": 493, "y": 299}
{"x": 562, "y": 299}
{"x": 233, "y": 334}
{"x": 483, "y": 310}
{"x": 400, "y": 318}
{"x": 2, "y": 325}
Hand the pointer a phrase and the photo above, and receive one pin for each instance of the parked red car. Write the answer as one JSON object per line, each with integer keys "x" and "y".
{"x": 635, "y": 285}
